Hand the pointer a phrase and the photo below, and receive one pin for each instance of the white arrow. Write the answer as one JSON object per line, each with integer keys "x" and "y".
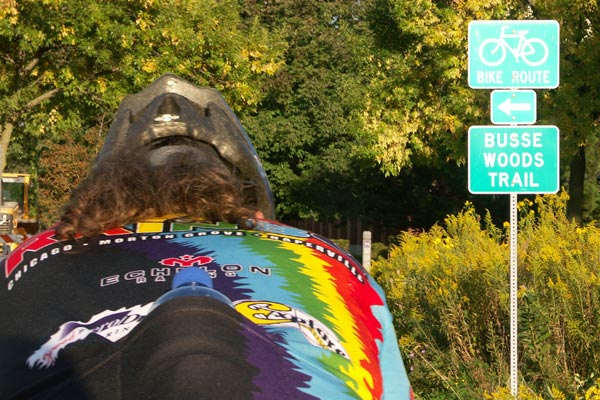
{"x": 507, "y": 107}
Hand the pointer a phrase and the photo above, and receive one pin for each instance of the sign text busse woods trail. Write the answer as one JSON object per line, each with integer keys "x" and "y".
{"x": 508, "y": 159}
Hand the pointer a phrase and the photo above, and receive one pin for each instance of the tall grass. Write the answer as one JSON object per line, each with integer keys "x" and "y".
{"x": 448, "y": 289}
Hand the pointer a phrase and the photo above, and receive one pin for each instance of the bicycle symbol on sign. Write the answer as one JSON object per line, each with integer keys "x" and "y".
{"x": 533, "y": 52}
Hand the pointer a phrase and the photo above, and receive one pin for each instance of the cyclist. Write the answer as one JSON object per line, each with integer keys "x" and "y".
{"x": 178, "y": 185}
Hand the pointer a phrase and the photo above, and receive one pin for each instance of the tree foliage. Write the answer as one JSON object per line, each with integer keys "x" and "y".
{"x": 308, "y": 128}
{"x": 419, "y": 104}
{"x": 351, "y": 104}
{"x": 575, "y": 105}
{"x": 354, "y": 108}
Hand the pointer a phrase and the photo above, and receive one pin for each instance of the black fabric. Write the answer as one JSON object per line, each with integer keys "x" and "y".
{"x": 188, "y": 348}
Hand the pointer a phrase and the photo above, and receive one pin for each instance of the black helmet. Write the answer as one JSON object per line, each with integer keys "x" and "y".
{"x": 172, "y": 111}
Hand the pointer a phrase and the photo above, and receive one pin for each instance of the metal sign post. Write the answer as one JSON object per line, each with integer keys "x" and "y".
{"x": 512, "y": 159}
{"x": 366, "y": 250}
{"x": 514, "y": 371}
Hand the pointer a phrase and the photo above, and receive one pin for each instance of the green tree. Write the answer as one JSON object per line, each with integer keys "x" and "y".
{"x": 67, "y": 64}
{"x": 368, "y": 116}
{"x": 308, "y": 129}
{"x": 419, "y": 103}
{"x": 575, "y": 105}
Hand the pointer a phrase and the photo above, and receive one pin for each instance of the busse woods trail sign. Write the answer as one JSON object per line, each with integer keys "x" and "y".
{"x": 513, "y": 159}
{"x": 510, "y": 157}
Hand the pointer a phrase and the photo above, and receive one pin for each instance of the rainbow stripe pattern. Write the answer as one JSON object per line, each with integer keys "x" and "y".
{"x": 304, "y": 290}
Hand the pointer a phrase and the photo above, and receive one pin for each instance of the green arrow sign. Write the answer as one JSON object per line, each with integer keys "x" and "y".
{"x": 513, "y": 159}
{"x": 513, "y": 107}
{"x": 513, "y": 54}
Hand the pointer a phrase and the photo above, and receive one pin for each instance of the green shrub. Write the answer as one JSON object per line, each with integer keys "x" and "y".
{"x": 448, "y": 289}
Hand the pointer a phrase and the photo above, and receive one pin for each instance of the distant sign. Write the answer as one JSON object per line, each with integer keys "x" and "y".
{"x": 513, "y": 54}
{"x": 513, "y": 107}
{"x": 513, "y": 159}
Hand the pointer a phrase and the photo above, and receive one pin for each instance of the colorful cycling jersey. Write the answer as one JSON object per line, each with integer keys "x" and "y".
{"x": 317, "y": 302}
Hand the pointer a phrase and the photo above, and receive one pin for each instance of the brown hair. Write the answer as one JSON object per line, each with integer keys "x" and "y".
{"x": 127, "y": 188}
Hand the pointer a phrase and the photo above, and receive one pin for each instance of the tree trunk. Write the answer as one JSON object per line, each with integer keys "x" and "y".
{"x": 576, "y": 181}
{"x": 5, "y": 134}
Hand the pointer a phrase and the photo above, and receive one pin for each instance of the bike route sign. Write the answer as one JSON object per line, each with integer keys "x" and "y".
{"x": 513, "y": 159}
{"x": 517, "y": 54}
